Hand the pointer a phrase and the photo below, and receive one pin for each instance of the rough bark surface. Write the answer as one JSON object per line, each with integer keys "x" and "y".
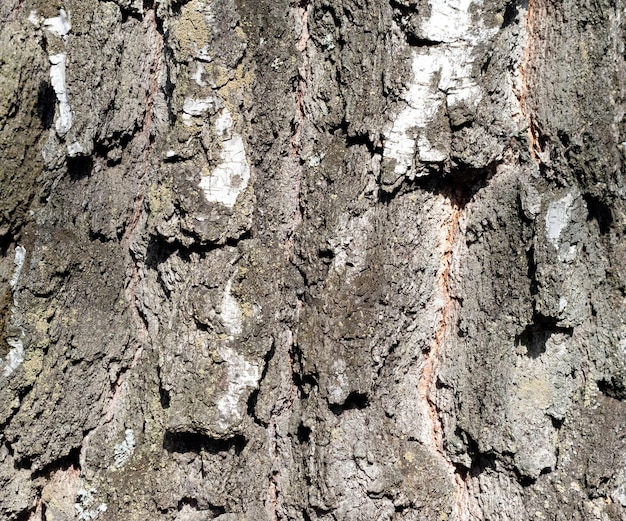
{"x": 315, "y": 260}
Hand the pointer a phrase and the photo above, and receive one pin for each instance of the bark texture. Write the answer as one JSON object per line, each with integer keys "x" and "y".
{"x": 315, "y": 260}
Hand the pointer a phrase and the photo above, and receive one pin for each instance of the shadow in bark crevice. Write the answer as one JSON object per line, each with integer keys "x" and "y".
{"x": 355, "y": 400}
{"x": 460, "y": 186}
{"x": 195, "y": 442}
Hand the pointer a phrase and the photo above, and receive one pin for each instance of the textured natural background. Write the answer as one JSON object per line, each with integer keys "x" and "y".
{"x": 318, "y": 260}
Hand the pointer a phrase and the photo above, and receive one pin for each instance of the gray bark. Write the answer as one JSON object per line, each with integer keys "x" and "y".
{"x": 317, "y": 260}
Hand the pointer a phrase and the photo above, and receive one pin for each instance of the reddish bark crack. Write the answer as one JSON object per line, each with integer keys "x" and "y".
{"x": 532, "y": 16}
{"x": 428, "y": 378}
{"x": 145, "y": 143}
{"x": 302, "y": 15}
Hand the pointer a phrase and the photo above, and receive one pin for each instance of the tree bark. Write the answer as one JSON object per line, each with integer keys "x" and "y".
{"x": 316, "y": 260}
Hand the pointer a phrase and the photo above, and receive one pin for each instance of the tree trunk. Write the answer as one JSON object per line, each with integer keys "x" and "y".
{"x": 316, "y": 260}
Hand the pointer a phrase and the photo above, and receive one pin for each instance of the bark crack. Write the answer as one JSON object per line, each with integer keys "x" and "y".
{"x": 524, "y": 72}
{"x": 146, "y": 143}
{"x": 428, "y": 379}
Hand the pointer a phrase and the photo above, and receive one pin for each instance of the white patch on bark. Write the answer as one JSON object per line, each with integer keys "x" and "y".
{"x": 124, "y": 450}
{"x": 338, "y": 385}
{"x": 85, "y": 510}
{"x": 195, "y": 107}
{"x": 75, "y": 149}
{"x": 231, "y": 312}
{"x": 241, "y": 376}
{"x": 231, "y": 176}
{"x": 59, "y": 26}
{"x": 20, "y": 256}
{"x": 15, "y": 356}
{"x": 34, "y": 18}
{"x": 449, "y": 21}
{"x": 57, "y": 78}
{"x": 349, "y": 245}
{"x": 557, "y": 218}
{"x": 441, "y": 73}
{"x": 197, "y": 76}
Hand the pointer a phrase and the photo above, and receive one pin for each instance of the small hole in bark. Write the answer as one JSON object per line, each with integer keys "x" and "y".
{"x": 526, "y": 481}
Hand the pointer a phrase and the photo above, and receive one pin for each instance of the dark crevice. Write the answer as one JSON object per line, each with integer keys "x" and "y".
{"x": 71, "y": 461}
{"x": 303, "y": 434}
{"x": 192, "y": 502}
{"x": 118, "y": 140}
{"x": 538, "y": 332}
{"x": 525, "y": 481}
{"x": 532, "y": 270}
{"x": 415, "y": 41}
{"x": 26, "y": 515}
{"x": 79, "y": 167}
{"x": 460, "y": 186}
{"x": 159, "y": 249}
{"x": 46, "y": 104}
{"x": 612, "y": 387}
{"x": 557, "y": 423}
{"x": 356, "y": 139}
{"x": 164, "y": 398}
{"x": 305, "y": 383}
{"x": 599, "y": 212}
{"x": 479, "y": 461}
{"x": 195, "y": 442}
{"x": 511, "y": 12}
{"x": 355, "y": 400}
{"x": 366, "y": 141}
{"x": 254, "y": 395}
{"x": 6, "y": 241}
{"x": 164, "y": 395}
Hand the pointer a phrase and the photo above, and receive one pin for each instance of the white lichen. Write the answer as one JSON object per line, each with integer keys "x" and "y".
{"x": 557, "y": 218}
{"x": 338, "y": 384}
{"x": 197, "y": 75}
{"x": 316, "y": 160}
{"x": 241, "y": 376}
{"x": 20, "y": 257}
{"x": 194, "y": 108}
{"x": 57, "y": 78}
{"x": 124, "y": 450}
{"x": 231, "y": 176}
{"x": 75, "y": 149}
{"x": 449, "y": 21}
{"x": 15, "y": 356}
{"x": 34, "y": 18}
{"x": 349, "y": 245}
{"x": 328, "y": 42}
{"x": 59, "y": 26}
{"x": 83, "y": 505}
{"x": 231, "y": 312}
